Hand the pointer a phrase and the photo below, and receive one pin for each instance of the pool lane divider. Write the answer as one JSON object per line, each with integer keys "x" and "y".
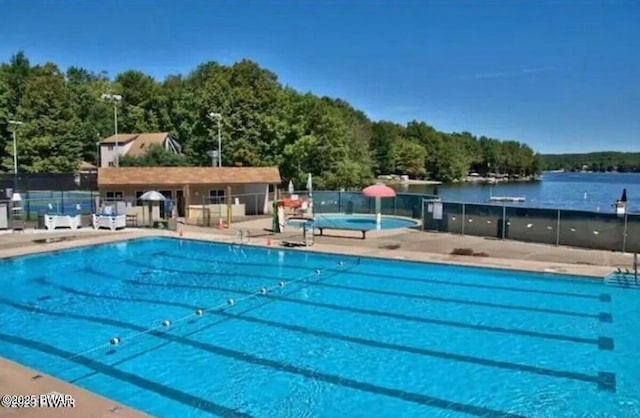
{"x": 166, "y": 323}
{"x": 600, "y": 380}
{"x": 603, "y": 297}
{"x": 601, "y": 316}
{"x": 604, "y": 380}
{"x": 226, "y": 412}
{"x": 603, "y": 343}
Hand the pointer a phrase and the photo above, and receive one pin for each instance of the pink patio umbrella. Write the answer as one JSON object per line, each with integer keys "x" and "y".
{"x": 378, "y": 191}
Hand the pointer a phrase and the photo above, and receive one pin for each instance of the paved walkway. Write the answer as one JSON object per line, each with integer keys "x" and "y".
{"x": 411, "y": 245}
{"x": 418, "y": 245}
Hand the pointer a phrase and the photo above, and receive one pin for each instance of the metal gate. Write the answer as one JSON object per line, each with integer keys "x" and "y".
{"x": 432, "y": 215}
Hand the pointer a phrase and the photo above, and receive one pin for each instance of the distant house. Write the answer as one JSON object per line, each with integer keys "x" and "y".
{"x": 134, "y": 145}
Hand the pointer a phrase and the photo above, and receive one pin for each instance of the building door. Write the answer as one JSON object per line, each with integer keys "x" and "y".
{"x": 180, "y": 202}
{"x": 165, "y": 207}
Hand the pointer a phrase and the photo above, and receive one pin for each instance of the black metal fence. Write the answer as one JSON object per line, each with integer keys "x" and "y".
{"x": 61, "y": 182}
{"x": 404, "y": 204}
{"x": 583, "y": 229}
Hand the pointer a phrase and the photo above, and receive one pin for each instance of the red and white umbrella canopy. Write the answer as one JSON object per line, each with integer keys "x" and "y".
{"x": 379, "y": 190}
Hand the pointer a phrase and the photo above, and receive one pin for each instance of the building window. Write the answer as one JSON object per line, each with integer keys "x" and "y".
{"x": 138, "y": 201}
{"x": 110, "y": 147}
{"x": 216, "y": 197}
{"x": 114, "y": 196}
{"x": 112, "y": 164}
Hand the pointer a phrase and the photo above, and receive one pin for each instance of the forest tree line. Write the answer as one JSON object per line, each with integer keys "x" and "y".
{"x": 264, "y": 123}
{"x": 609, "y": 161}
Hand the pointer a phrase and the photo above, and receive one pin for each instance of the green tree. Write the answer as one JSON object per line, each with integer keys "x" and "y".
{"x": 263, "y": 123}
{"x": 384, "y": 139}
{"x": 47, "y": 141}
{"x": 409, "y": 158}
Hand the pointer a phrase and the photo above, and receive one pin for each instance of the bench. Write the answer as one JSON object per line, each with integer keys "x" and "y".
{"x": 363, "y": 231}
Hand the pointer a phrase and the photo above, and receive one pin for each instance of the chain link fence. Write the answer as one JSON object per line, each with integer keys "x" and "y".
{"x": 33, "y": 205}
{"x": 583, "y": 229}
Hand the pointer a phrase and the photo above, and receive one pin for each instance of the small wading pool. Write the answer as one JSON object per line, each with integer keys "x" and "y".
{"x": 357, "y": 222}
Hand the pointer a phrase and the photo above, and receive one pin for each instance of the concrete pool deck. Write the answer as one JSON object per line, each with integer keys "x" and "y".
{"x": 394, "y": 244}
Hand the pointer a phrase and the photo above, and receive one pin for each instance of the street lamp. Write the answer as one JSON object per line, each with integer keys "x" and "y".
{"x": 15, "y": 154}
{"x": 218, "y": 116}
{"x": 115, "y": 99}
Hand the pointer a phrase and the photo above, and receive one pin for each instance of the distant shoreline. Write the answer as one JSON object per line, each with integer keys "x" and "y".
{"x": 413, "y": 182}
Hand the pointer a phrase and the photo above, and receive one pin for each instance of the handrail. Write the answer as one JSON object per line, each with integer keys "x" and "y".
{"x": 237, "y": 239}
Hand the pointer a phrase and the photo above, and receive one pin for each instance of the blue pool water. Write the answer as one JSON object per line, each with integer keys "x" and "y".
{"x": 360, "y": 337}
{"x": 359, "y": 222}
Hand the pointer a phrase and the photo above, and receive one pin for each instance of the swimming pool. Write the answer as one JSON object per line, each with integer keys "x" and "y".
{"x": 359, "y": 337}
{"x": 358, "y": 222}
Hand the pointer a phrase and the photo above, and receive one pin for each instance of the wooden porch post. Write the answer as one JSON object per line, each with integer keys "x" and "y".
{"x": 187, "y": 201}
{"x": 229, "y": 206}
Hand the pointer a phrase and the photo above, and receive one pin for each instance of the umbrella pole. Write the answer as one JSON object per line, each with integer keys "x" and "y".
{"x": 378, "y": 214}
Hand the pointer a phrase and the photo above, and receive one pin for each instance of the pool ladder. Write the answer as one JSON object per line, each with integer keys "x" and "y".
{"x": 308, "y": 234}
{"x": 243, "y": 236}
{"x": 626, "y": 277}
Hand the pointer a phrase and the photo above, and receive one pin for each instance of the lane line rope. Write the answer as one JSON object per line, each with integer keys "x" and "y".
{"x": 200, "y": 312}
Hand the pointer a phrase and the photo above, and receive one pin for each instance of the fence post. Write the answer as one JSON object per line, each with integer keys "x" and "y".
{"x": 504, "y": 221}
{"x": 421, "y": 214}
{"x": 395, "y": 204}
{"x": 257, "y": 212}
{"x": 558, "y": 229}
{"x": 463, "y": 219}
{"x": 202, "y": 209}
{"x": 624, "y": 234}
{"x": 339, "y": 201}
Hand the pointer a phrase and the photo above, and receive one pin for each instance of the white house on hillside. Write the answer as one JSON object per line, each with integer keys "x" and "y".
{"x": 134, "y": 145}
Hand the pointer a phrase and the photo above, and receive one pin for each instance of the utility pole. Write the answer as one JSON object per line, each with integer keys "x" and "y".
{"x": 115, "y": 99}
{"x": 218, "y": 116}
{"x": 15, "y": 154}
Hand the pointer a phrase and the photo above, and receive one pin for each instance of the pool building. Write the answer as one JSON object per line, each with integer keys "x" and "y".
{"x": 198, "y": 192}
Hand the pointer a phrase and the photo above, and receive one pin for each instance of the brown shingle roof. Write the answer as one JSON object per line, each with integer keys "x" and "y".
{"x": 152, "y": 176}
{"x": 141, "y": 142}
{"x": 122, "y": 139}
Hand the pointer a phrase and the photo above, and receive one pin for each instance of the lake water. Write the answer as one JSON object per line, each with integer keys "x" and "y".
{"x": 588, "y": 191}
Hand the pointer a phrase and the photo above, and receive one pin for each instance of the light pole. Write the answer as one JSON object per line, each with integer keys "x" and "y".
{"x": 15, "y": 154}
{"x": 218, "y": 116}
{"x": 97, "y": 150}
{"x": 115, "y": 99}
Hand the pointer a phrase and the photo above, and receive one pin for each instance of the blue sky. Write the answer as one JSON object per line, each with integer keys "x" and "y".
{"x": 563, "y": 76}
